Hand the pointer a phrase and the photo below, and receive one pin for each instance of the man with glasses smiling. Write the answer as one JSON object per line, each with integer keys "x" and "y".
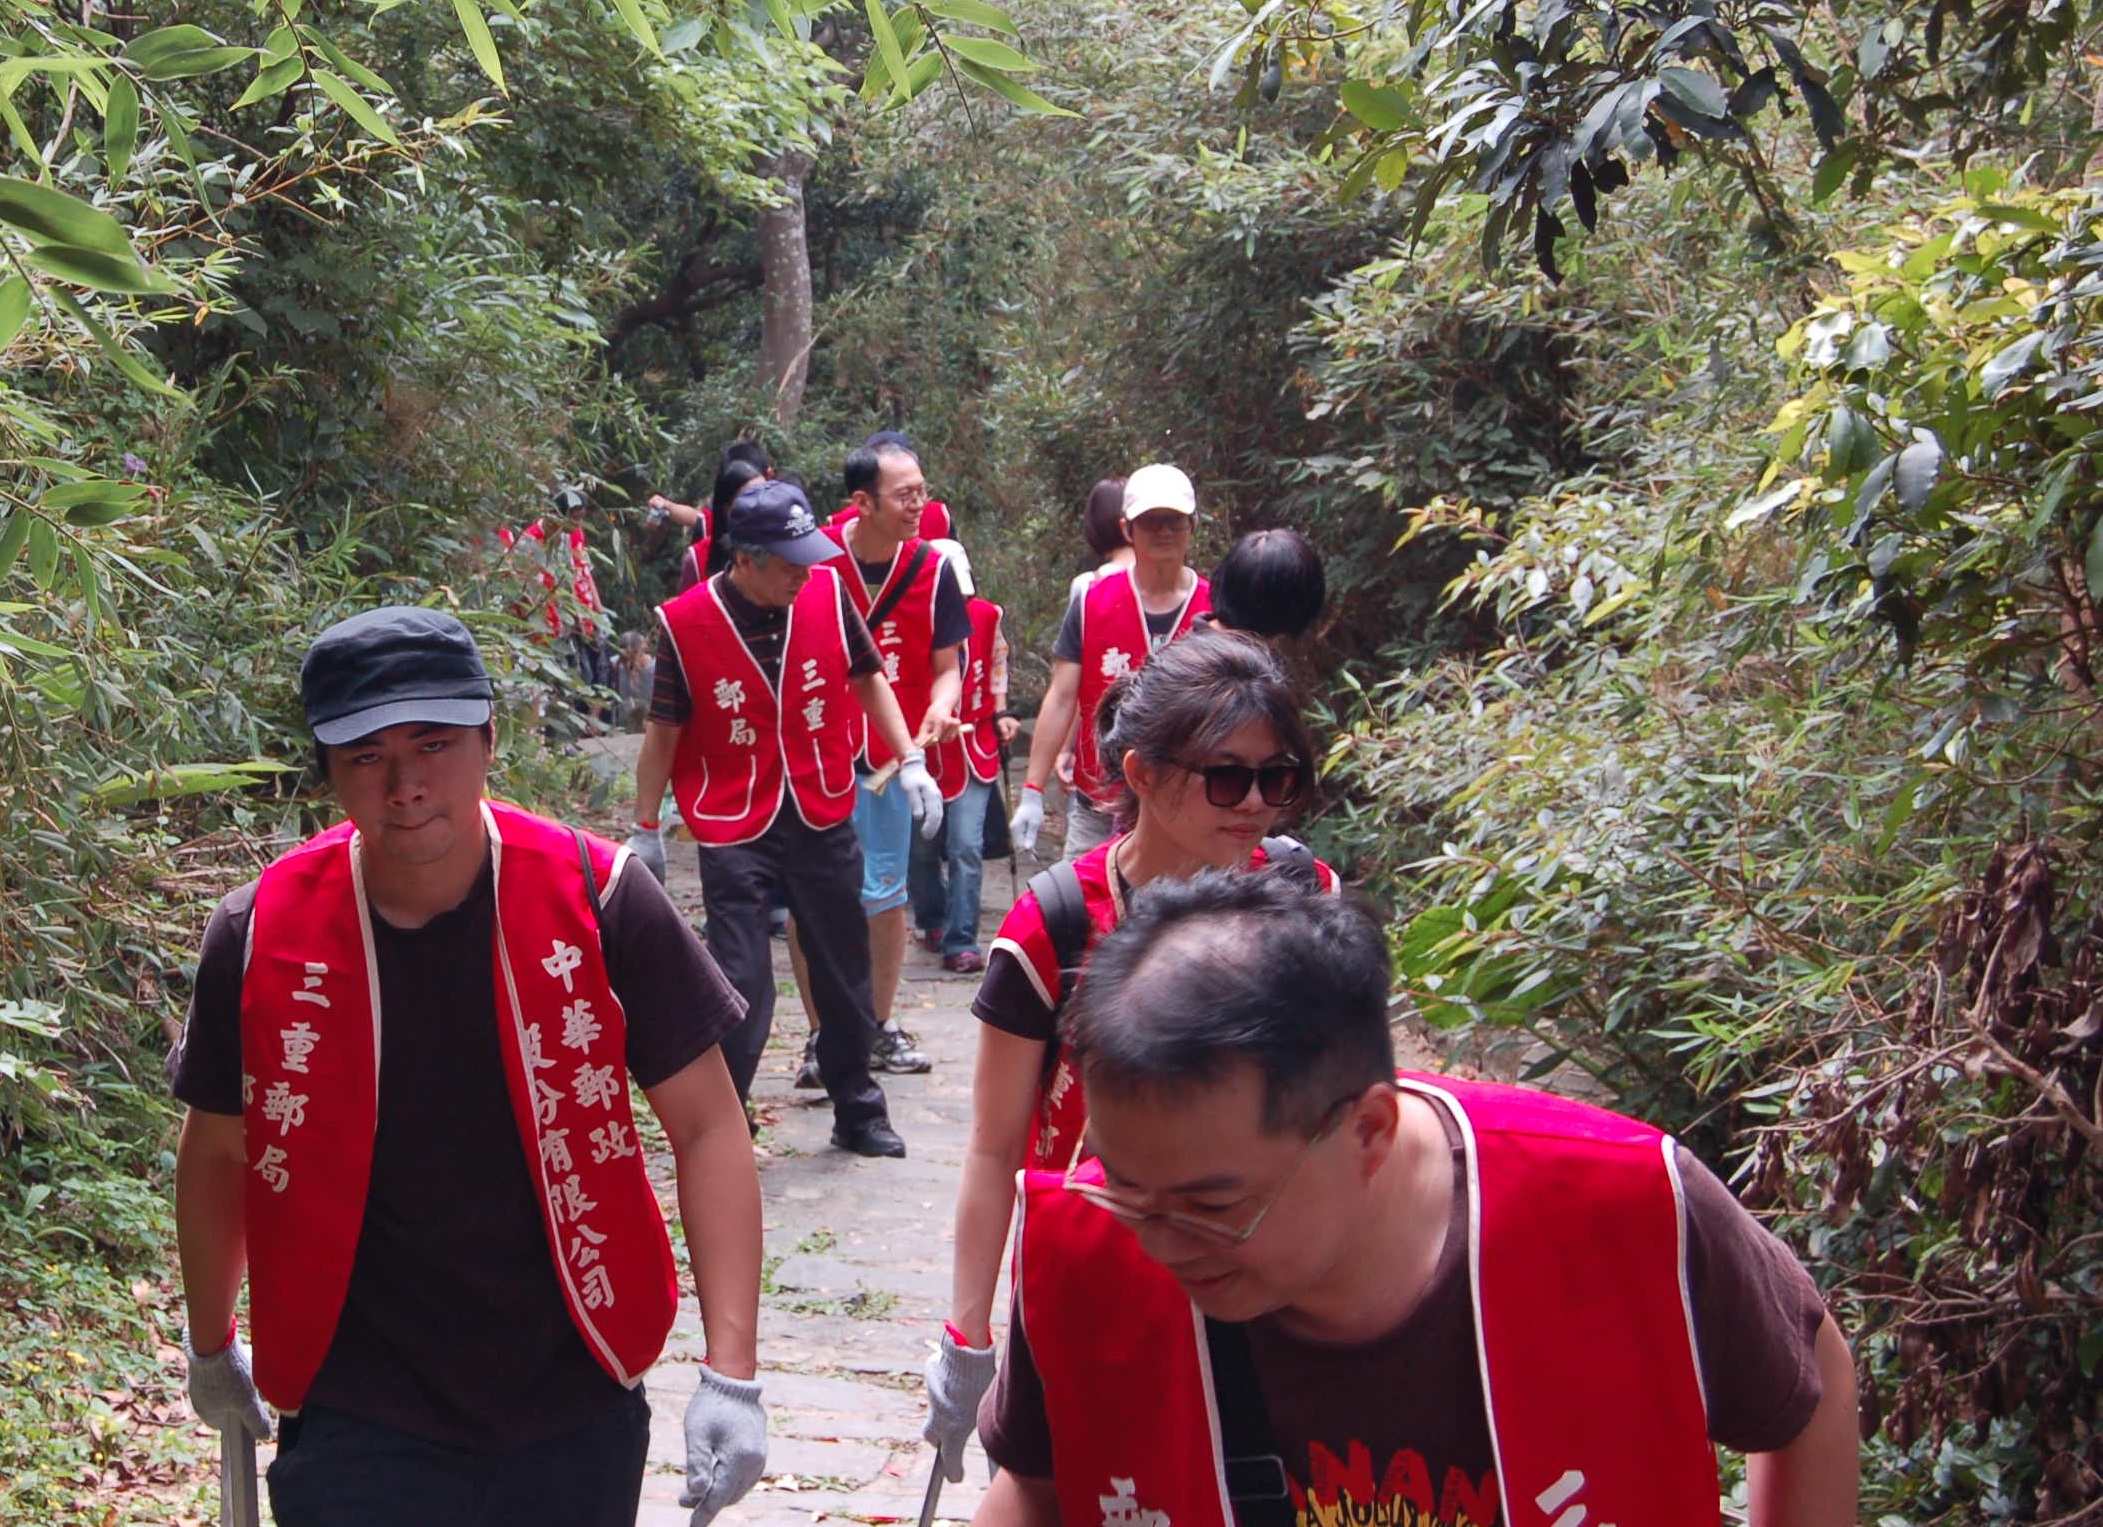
{"x": 1295, "y": 1287}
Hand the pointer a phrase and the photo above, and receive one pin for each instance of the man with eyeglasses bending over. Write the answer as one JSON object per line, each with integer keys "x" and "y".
{"x": 1297, "y": 1288}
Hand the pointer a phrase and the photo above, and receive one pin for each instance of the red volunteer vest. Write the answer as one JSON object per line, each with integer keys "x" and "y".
{"x": 905, "y": 638}
{"x": 1584, "y": 1333}
{"x": 1113, "y": 643}
{"x": 742, "y": 748}
{"x": 975, "y": 754}
{"x": 935, "y": 523}
{"x": 583, "y": 583}
{"x": 1060, "y": 1118}
{"x": 310, "y": 1039}
{"x": 693, "y": 566}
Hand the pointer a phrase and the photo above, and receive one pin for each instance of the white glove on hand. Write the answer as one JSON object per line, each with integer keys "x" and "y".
{"x": 223, "y": 1389}
{"x": 647, "y": 844}
{"x": 957, "y": 1379}
{"x": 1028, "y": 820}
{"x": 726, "y": 1444}
{"x": 920, "y": 788}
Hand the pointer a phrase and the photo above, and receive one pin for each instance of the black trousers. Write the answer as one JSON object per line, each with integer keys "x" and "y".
{"x": 820, "y": 876}
{"x": 335, "y": 1470}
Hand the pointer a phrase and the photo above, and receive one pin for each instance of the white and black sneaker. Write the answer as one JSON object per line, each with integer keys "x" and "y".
{"x": 894, "y": 1051}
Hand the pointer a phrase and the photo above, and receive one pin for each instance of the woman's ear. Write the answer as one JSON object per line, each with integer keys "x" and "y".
{"x": 1139, "y": 774}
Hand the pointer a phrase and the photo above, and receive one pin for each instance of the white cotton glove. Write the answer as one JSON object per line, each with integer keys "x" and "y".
{"x": 957, "y": 1379}
{"x": 223, "y": 1389}
{"x": 1028, "y": 820}
{"x": 647, "y": 844}
{"x": 920, "y": 788}
{"x": 726, "y": 1444}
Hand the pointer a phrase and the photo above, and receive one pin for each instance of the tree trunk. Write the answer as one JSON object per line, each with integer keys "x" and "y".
{"x": 785, "y": 314}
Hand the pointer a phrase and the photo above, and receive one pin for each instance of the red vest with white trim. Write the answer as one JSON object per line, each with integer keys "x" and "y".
{"x": 743, "y": 745}
{"x": 905, "y": 638}
{"x": 1585, "y": 1344}
{"x": 1114, "y": 642}
{"x": 693, "y": 566}
{"x": 310, "y": 1041}
{"x": 976, "y": 753}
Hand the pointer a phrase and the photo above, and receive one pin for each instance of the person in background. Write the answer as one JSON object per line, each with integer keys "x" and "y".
{"x": 1270, "y": 585}
{"x": 1296, "y": 1282}
{"x": 916, "y": 611}
{"x": 765, "y": 677}
{"x": 406, "y": 1067}
{"x": 946, "y": 879}
{"x": 589, "y": 653}
{"x": 1210, "y": 753}
{"x": 702, "y": 558}
{"x": 1113, "y": 628}
{"x": 935, "y": 523}
{"x": 1103, "y": 528}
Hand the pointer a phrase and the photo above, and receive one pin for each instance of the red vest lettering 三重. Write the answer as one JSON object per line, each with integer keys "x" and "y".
{"x": 1585, "y": 1338}
{"x": 974, "y": 754}
{"x": 905, "y": 638}
{"x": 744, "y": 745}
{"x": 310, "y": 1048}
{"x": 1114, "y": 642}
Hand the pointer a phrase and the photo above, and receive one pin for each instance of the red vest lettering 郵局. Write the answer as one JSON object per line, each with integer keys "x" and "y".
{"x": 1114, "y": 642}
{"x": 905, "y": 638}
{"x": 1585, "y": 1336}
{"x": 974, "y": 754}
{"x": 744, "y": 745}
{"x": 310, "y": 1048}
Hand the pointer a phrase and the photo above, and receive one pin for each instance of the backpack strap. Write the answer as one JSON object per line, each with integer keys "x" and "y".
{"x": 1065, "y": 913}
{"x": 881, "y": 610}
{"x": 1256, "y": 1478}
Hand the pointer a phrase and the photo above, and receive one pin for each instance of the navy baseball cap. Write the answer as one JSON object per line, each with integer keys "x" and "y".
{"x": 391, "y": 666}
{"x": 776, "y": 517}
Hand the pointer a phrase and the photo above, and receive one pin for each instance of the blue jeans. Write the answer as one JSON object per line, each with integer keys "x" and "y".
{"x": 952, "y": 902}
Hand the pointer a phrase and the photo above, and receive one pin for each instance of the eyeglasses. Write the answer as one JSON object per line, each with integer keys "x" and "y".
{"x": 1199, "y": 1226}
{"x": 1280, "y": 784}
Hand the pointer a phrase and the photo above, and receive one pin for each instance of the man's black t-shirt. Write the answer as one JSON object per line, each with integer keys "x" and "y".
{"x": 952, "y": 611}
{"x": 454, "y": 1327}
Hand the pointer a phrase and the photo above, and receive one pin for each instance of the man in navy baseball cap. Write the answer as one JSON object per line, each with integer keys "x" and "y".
{"x": 775, "y": 518}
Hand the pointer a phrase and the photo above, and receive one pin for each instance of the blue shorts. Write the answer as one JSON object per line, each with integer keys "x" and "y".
{"x": 883, "y": 825}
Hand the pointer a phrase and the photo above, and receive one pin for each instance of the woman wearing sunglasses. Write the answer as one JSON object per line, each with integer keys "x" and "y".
{"x": 1214, "y": 755}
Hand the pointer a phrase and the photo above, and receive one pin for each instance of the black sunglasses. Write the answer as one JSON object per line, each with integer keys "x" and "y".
{"x": 1280, "y": 784}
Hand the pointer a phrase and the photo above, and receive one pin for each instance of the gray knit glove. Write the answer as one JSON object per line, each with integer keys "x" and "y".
{"x": 726, "y": 1444}
{"x": 223, "y": 1389}
{"x": 957, "y": 1379}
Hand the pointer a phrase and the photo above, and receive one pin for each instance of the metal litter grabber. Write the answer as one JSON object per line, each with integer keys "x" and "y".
{"x": 238, "y": 1506}
{"x": 934, "y": 1493}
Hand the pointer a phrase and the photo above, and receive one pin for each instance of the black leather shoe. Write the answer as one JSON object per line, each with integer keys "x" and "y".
{"x": 876, "y": 1138}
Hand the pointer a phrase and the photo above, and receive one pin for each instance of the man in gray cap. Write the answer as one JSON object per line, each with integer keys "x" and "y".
{"x": 457, "y": 1267}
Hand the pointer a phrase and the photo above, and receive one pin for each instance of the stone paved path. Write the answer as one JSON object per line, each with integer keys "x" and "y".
{"x": 858, "y": 1273}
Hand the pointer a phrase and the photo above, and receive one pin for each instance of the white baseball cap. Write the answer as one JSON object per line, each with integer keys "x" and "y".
{"x": 953, "y": 553}
{"x": 1159, "y": 486}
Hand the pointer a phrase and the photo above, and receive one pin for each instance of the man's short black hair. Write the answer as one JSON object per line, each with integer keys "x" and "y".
{"x": 1270, "y": 584}
{"x": 751, "y": 452}
{"x": 865, "y": 465}
{"x": 1230, "y": 968}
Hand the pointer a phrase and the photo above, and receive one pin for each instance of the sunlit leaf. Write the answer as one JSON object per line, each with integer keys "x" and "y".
{"x": 43, "y": 553}
{"x": 54, "y": 217}
{"x": 355, "y": 106}
{"x": 120, "y": 126}
{"x": 887, "y": 47}
{"x": 1012, "y": 90}
{"x": 974, "y": 12}
{"x": 638, "y": 23}
{"x": 272, "y": 80}
{"x": 989, "y": 54}
{"x": 102, "y": 272}
{"x": 484, "y": 46}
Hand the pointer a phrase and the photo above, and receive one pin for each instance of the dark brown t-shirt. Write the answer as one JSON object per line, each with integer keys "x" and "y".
{"x": 454, "y": 1327}
{"x": 1395, "y": 1430}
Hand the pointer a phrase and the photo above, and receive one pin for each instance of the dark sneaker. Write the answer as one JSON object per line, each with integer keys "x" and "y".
{"x": 807, "y": 1077}
{"x": 876, "y": 1138}
{"x": 929, "y": 939}
{"x": 965, "y": 962}
{"x": 895, "y": 1052}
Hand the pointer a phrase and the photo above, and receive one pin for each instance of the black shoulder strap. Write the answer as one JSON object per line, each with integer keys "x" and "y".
{"x": 1255, "y": 1472}
{"x": 591, "y": 886}
{"x": 881, "y": 610}
{"x": 1293, "y": 859}
{"x": 1065, "y": 913}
